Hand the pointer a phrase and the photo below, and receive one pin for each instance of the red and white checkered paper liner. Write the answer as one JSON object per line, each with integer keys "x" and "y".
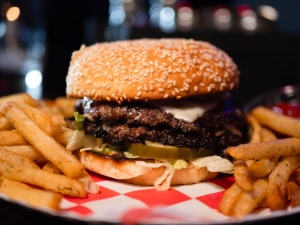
{"x": 130, "y": 204}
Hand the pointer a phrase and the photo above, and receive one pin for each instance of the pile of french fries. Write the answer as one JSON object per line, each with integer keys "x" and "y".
{"x": 267, "y": 169}
{"x": 35, "y": 165}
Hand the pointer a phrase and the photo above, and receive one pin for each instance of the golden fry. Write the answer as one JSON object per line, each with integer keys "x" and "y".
{"x": 270, "y": 149}
{"x": 27, "y": 151}
{"x": 48, "y": 124}
{"x": 34, "y": 197}
{"x": 263, "y": 167}
{"x": 13, "y": 157}
{"x": 50, "y": 167}
{"x": 243, "y": 176}
{"x": 256, "y": 135}
{"x": 275, "y": 200}
{"x": 267, "y": 135}
{"x": 280, "y": 123}
{"x": 65, "y": 136}
{"x": 47, "y": 145}
{"x": 296, "y": 176}
{"x": 41, "y": 178}
{"x": 12, "y": 137}
{"x": 67, "y": 105}
{"x": 89, "y": 185}
{"x": 53, "y": 111}
{"x": 280, "y": 175}
{"x": 293, "y": 192}
{"x": 247, "y": 201}
{"x": 250, "y": 162}
{"x": 229, "y": 198}
{"x": 20, "y": 98}
{"x": 5, "y": 124}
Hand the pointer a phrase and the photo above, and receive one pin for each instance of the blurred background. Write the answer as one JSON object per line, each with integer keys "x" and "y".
{"x": 38, "y": 37}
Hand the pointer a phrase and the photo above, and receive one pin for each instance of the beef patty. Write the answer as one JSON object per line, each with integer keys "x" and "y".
{"x": 217, "y": 129}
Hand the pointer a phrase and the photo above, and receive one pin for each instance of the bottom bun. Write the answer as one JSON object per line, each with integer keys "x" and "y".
{"x": 183, "y": 176}
{"x": 128, "y": 171}
{"x": 117, "y": 167}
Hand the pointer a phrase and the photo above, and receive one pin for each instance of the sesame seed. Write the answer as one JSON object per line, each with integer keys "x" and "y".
{"x": 186, "y": 84}
{"x": 156, "y": 63}
{"x": 161, "y": 90}
{"x": 195, "y": 88}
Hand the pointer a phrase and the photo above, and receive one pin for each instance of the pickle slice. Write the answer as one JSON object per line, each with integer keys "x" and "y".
{"x": 153, "y": 150}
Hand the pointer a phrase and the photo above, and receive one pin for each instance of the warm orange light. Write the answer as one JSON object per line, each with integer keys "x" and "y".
{"x": 13, "y": 13}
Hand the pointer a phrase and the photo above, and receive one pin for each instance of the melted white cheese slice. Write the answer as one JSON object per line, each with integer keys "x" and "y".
{"x": 185, "y": 109}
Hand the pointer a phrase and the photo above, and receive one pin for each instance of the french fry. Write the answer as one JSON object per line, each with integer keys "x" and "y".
{"x": 47, "y": 123}
{"x": 65, "y": 136}
{"x": 34, "y": 197}
{"x": 275, "y": 200}
{"x": 12, "y": 137}
{"x": 278, "y": 122}
{"x": 256, "y": 135}
{"x": 249, "y": 162}
{"x": 5, "y": 124}
{"x": 267, "y": 135}
{"x": 293, "y": 192}
{"x": 296, "y": 176}
{"x": 89, "y": 185}
{"x": 27, "y": 151}
{"x": 16, "y": 158}
{"x": 263, "y": 167}
{"x": 66, "y": 105}
{"x": 45, "y": 144}
{"x": 280, "y": 175}
{"x": 41, "y": 178}
{"x": 229, "y": 198}
{"x": 275, "y": 148}
{"x": 50, "y": 167}
{"x": 20, "y": 98}
{"x": 242, "y": 175}
{"x": 247, "y": 201}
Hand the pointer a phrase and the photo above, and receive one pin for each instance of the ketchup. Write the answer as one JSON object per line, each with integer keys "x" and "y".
{"x": 289, "y": 109}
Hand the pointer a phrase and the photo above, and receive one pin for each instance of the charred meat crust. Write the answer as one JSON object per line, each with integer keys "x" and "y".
{"x": 137, "y": 122}
{"x": 146, "y": 115}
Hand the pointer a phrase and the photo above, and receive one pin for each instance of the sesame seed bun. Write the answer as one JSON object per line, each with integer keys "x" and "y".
{"x": 130, "y": 172}
{"x": 149, "y": 69}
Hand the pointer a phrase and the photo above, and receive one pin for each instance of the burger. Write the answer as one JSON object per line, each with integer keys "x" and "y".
{"x": 158, "y": 111}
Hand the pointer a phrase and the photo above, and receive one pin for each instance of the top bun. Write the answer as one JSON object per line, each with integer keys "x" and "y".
{"x": 149, "y": 69}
